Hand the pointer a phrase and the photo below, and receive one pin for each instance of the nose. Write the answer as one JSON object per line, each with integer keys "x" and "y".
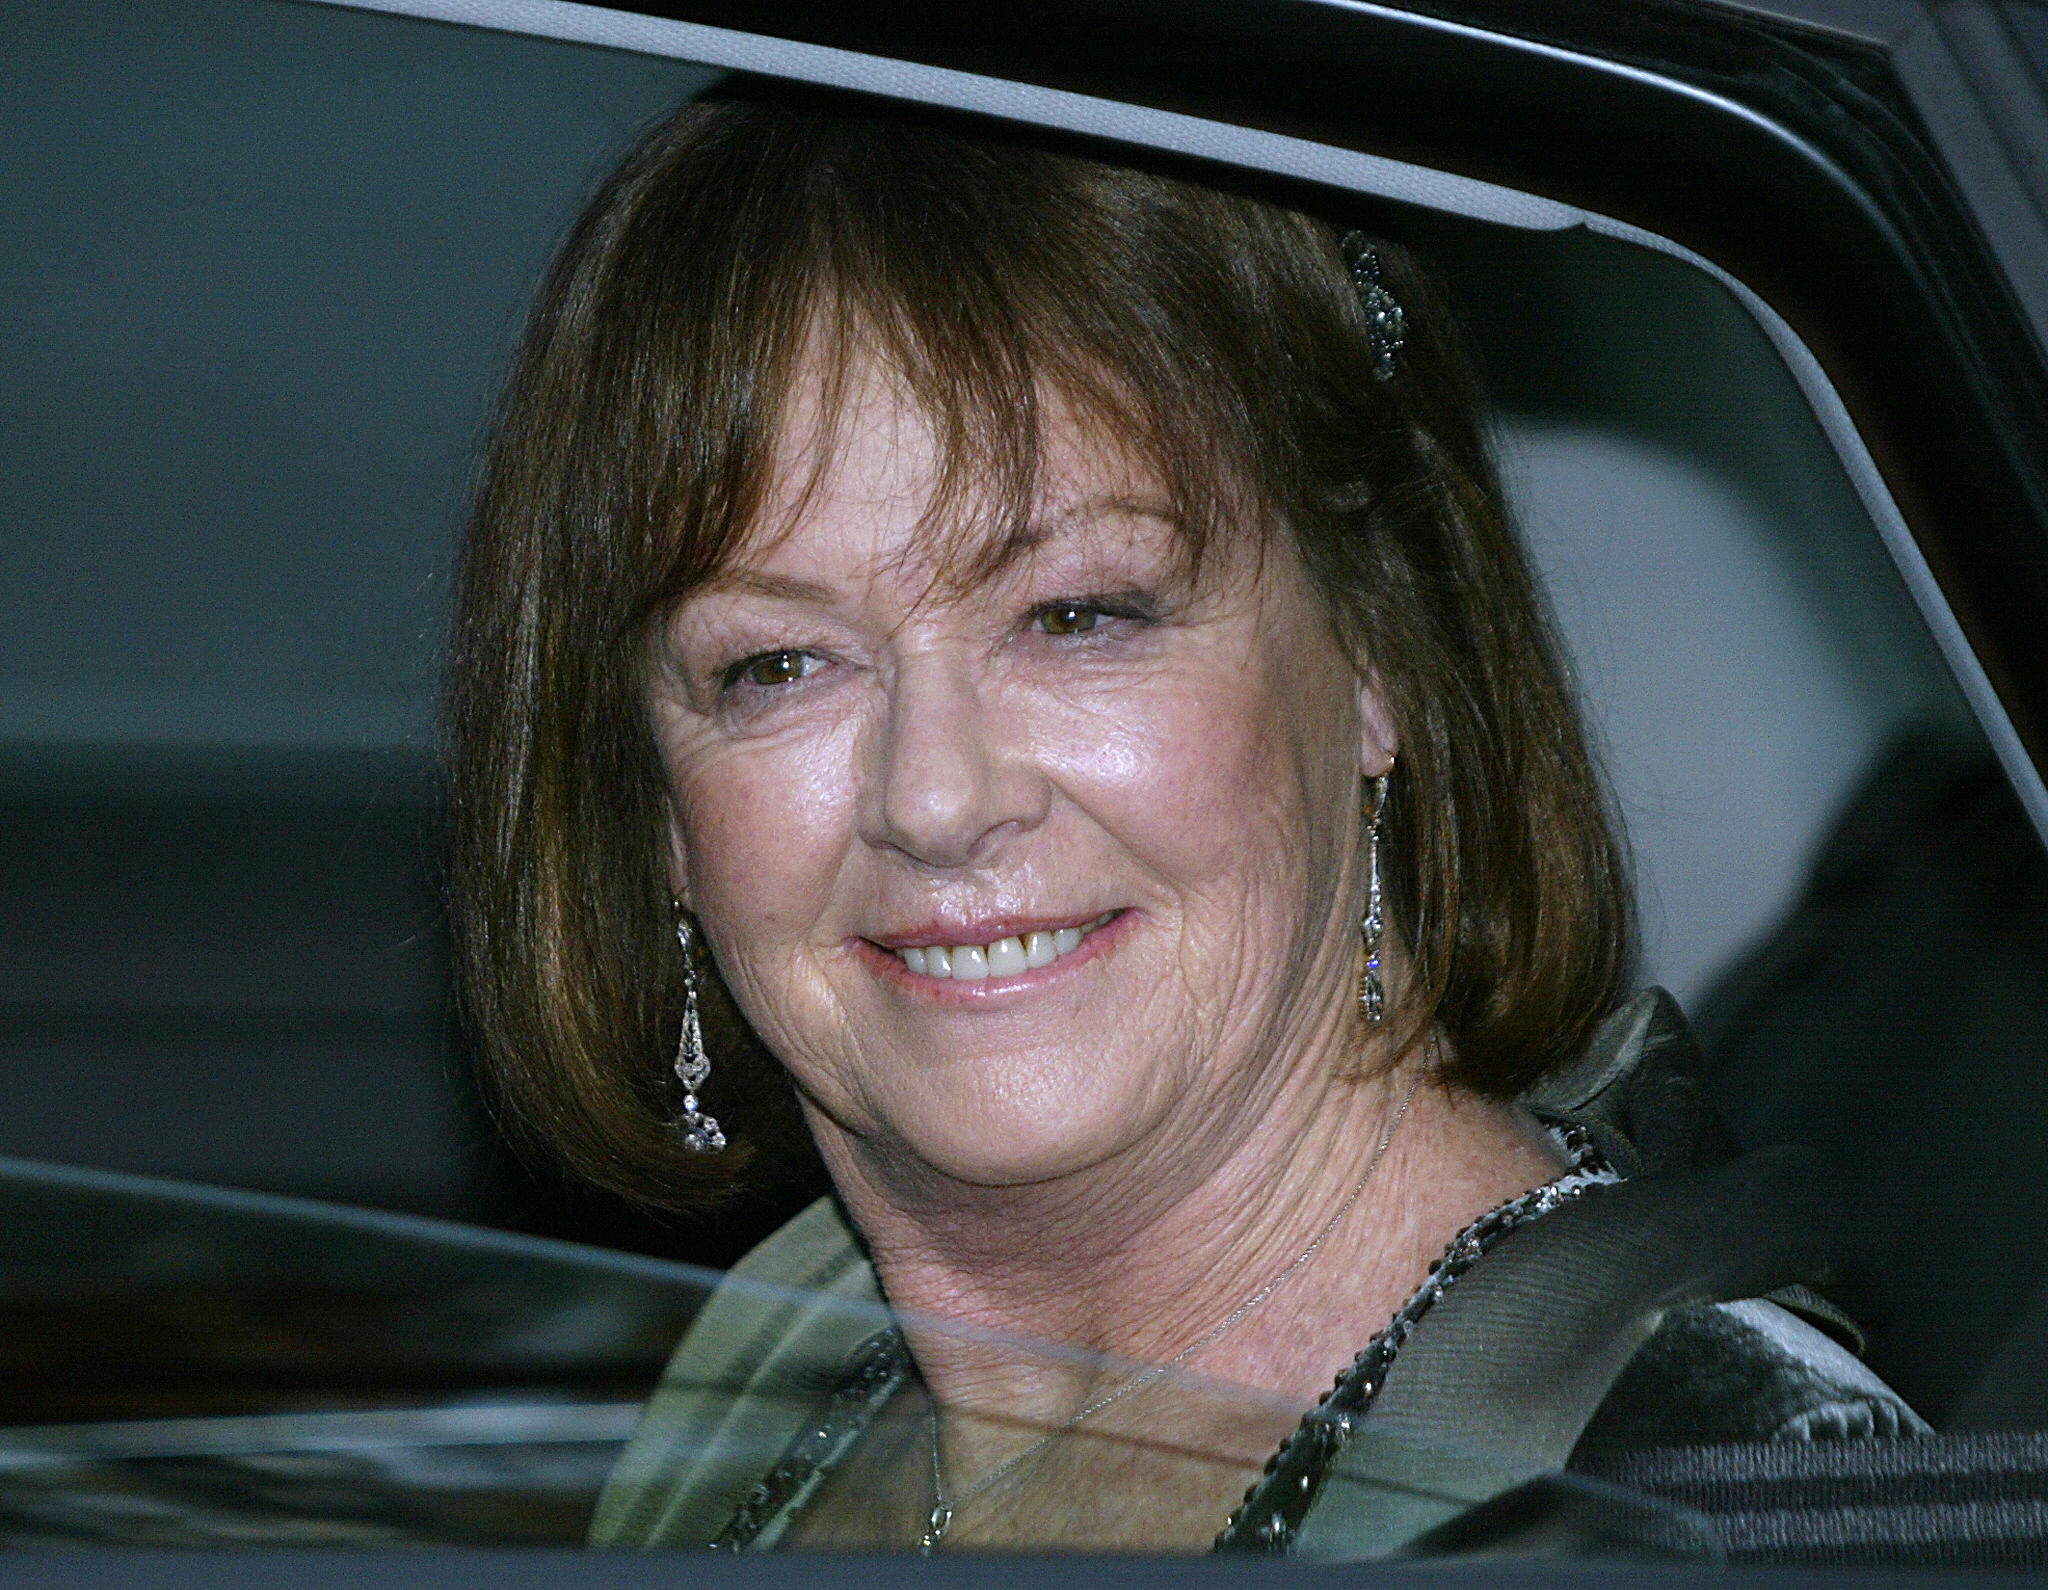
{"x": 950, "y": 772}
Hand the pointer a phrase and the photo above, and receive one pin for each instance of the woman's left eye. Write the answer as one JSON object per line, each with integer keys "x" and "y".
{"x": 773, "y": 668}
{"x": 1069, "y": 618}
{"x": 1078, "y": 618}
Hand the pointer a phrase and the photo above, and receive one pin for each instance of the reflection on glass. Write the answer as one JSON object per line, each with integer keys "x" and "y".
{"x": 253, "y": 372}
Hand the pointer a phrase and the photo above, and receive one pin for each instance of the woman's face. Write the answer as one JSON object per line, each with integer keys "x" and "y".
{"x": 1021, "y": 879}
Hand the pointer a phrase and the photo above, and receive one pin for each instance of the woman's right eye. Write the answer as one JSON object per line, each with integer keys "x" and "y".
{"x": 772, "y": 668}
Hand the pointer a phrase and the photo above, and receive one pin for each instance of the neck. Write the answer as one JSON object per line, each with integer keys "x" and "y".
{"x": 1136, "y": 1262}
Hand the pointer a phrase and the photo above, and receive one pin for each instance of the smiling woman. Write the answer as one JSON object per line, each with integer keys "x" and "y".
{"x": 1049, "y": 632}
{"x": 1090, "y": 749}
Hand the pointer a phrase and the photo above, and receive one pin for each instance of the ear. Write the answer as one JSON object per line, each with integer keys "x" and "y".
{"x": 1377, "y": 741}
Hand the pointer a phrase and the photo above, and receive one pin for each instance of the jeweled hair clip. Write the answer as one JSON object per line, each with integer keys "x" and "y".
{"x": 1386, "y": 322}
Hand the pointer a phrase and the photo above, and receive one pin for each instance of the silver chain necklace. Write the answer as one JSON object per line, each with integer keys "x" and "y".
{"x": 944, "y": 1507}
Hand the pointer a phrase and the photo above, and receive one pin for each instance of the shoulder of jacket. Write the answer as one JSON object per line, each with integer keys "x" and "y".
{"x": 744, "y": 1380}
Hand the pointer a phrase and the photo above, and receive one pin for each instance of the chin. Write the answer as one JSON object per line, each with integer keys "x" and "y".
{"x": 1011, "y": 1146}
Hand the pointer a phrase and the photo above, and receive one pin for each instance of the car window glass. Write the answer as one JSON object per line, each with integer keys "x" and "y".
{"x": 269, "y": 262}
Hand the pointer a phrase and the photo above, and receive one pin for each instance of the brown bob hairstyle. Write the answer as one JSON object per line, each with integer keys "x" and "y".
{"x": 1214, "y": 334}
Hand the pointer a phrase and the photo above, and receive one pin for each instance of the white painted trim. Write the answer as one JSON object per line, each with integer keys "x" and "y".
{"x": 1020, "y": 102}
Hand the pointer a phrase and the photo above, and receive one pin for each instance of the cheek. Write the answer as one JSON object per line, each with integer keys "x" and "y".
{"x": 1219, "y": 780}
{"x": 765, "y": 828}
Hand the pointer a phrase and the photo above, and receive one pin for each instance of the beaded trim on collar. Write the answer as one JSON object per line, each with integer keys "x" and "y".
{"x": 1271, "y": 1514}
{"x": 874, "y": 1373}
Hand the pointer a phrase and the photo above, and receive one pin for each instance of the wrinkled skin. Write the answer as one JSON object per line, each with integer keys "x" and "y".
{"x": 1115, "y": 1149}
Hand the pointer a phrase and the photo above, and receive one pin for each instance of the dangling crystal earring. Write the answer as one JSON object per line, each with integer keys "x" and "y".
{"x": 701, "y": 1133}
{"x": 1372, "y": 996}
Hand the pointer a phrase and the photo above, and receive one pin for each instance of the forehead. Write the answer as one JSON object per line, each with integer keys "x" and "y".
{"x": 869, "y": 477}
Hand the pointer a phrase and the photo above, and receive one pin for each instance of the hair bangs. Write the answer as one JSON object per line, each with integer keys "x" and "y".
{"x": 902, "y": 261}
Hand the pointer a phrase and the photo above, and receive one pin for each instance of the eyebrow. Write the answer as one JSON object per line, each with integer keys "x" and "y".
{"x": 758, "y": 582}
{"x": 1093, "y": 508}
{"x": 792, "y": 588}
{"x": 1070, "y": 516}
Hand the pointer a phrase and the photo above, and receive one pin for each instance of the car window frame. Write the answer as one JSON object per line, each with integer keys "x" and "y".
{"x": 1962, "y": 507}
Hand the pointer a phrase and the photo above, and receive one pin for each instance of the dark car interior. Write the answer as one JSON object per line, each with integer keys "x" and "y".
{"x": 272, "y": 259}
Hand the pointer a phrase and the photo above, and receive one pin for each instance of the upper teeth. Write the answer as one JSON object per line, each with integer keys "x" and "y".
{"x": 1004, "y": 958}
